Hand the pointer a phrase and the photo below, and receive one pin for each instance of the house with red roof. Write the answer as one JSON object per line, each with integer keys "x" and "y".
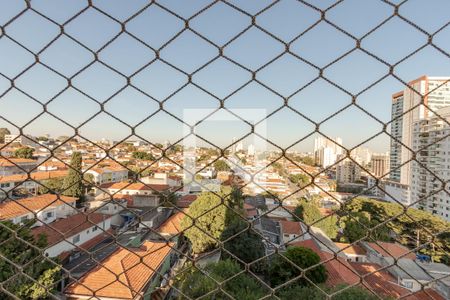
{"x": 44, "y": 208}
{"x": 75, "y": 232}
{"x": 128, "y": 273}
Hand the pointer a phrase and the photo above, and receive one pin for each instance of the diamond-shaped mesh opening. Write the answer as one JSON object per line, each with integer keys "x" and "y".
{"x": 224, "y": 149}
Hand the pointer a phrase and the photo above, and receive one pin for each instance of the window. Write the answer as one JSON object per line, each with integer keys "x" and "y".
{"x": 94, "y": 229}
{"x": 407, "y": 284}
{"x": 76, "y": 239}
{"x": 23, "y": 219}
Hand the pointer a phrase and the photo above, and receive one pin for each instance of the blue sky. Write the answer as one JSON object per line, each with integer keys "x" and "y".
{"x": 253, "y": 49}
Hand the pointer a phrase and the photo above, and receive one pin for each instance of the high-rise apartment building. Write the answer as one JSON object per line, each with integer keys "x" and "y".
{"x": 431, "y": 170}
{"x": 407, "y": 108}
{"x": 412, "y": 110}
{"x": 347, "y": 171}
{"x": 327, "y": 151}
{"x": 379, "y": 164}
{"x": 396, "y": 133}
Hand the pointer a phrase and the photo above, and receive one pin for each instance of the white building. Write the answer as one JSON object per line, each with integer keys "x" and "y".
{"x": 396, "y": 192}
{"x": 362, "y": 155}
{"x": 327, "y": 151}
{"x": 21, "y": 139}
{"x": 44, "y": 208}
{"x": 13, "y": 166}
{"x": 74, "y": 232}
{"x": 396, "y": 133}
{"x": 347, "y": 171}
{"x": 251, "y": 150}
{"x": 379, "y": 164}
{"x": 406, "y": 110}
{"x": 108, "y": 174}
{"x": 431, "y": 143}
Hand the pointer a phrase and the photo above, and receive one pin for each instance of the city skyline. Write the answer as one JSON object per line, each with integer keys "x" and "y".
{"x": 317, "y": 101}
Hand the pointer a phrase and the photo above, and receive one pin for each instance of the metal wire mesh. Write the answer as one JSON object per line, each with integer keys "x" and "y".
{"x": 88, "y": 53}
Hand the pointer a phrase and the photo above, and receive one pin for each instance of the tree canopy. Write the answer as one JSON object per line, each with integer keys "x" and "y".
{"x": 281, "y": 270}
{"x": 195, "y": 284}
{"x": 212, "y": 216}
{"x": 142, "y": 155}
{"x": 309, "y": 213}
{"x": 221, "y": 165}
{"x": 73, "y": 182}
{"x": 44, "y": 274}
{"x": 246, "y": 244}
{"x": 24, "y": 152}
{"x": 300, "y": 179}
{"x": 404, "y": 226}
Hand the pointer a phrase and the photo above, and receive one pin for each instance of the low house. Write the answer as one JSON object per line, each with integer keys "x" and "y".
{"x": 171, "y": 228}
{"x": 354, "y": 253}
{"x": 414, "y": 275}
{"x": 126, "y": 274}
{"x": 145, "y": 194}
{"x": 377, "y": 250}
{"x": 108, "y": 174}
{"x": 12, "y": 166}
{"x": 28, "y": 182}
{"x": 108, "y": 206}
{"x": 291, "y": 231}
{"x": 44, "y": 208}
{"x": 74, "y": 232}
{"x": 385, "y": 285}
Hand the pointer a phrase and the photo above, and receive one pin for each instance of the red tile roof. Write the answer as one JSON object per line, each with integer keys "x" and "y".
{"x": 381, "y": 282}
{"x": 124, "y": 274}
{"x": 123, "y": 186}
{"x": 291, "y": 227}
{"x": 186, "y": 200}
{"x": 339, "y": 270}
{"x": 351, "y": 249}
{"x": 38, "y": 176}
{"x": 392, "y": 250}
{"x": 17, "y": 208}
{"x": 11, "y": 162}
{"x": 172, "y": 225}
{"x": 65, "y": 228}
{"x": 384, "y": 284}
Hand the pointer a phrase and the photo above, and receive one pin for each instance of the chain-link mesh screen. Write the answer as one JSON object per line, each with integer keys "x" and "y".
{"x": 254, "y": 196}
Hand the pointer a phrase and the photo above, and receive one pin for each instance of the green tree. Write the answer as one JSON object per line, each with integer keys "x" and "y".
{"x": 282, "y": 270}
{"x": 243, "y": 242}
{"x": 404, "y": 226}
{"x": 142, "y": 155}
{"x": 73, "y": 182}
{"x": 51, "y": 186}
{"x": 353, "y": 293}
{"x": 310, "y": 214}
{"x": 221, "y": 165}
{"x": 24, "y": 152}
{"x": 3, "y": 132}
{"x": 195, "y": 284}
{"x": 168, "y": 199}
{"x": 44, "y": 274}
{"x": 313, "y": 293}
{"x": 300, "y": 179}
{"x": 212, "y": 215}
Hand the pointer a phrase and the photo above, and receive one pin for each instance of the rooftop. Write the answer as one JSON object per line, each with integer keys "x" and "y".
{"x": 124, "y": 274}
{"x": 65, "y": 228}
{"x": 392, "y": 250}
{"x": 135, "y": 186}
{"x": 16, "y": 208}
